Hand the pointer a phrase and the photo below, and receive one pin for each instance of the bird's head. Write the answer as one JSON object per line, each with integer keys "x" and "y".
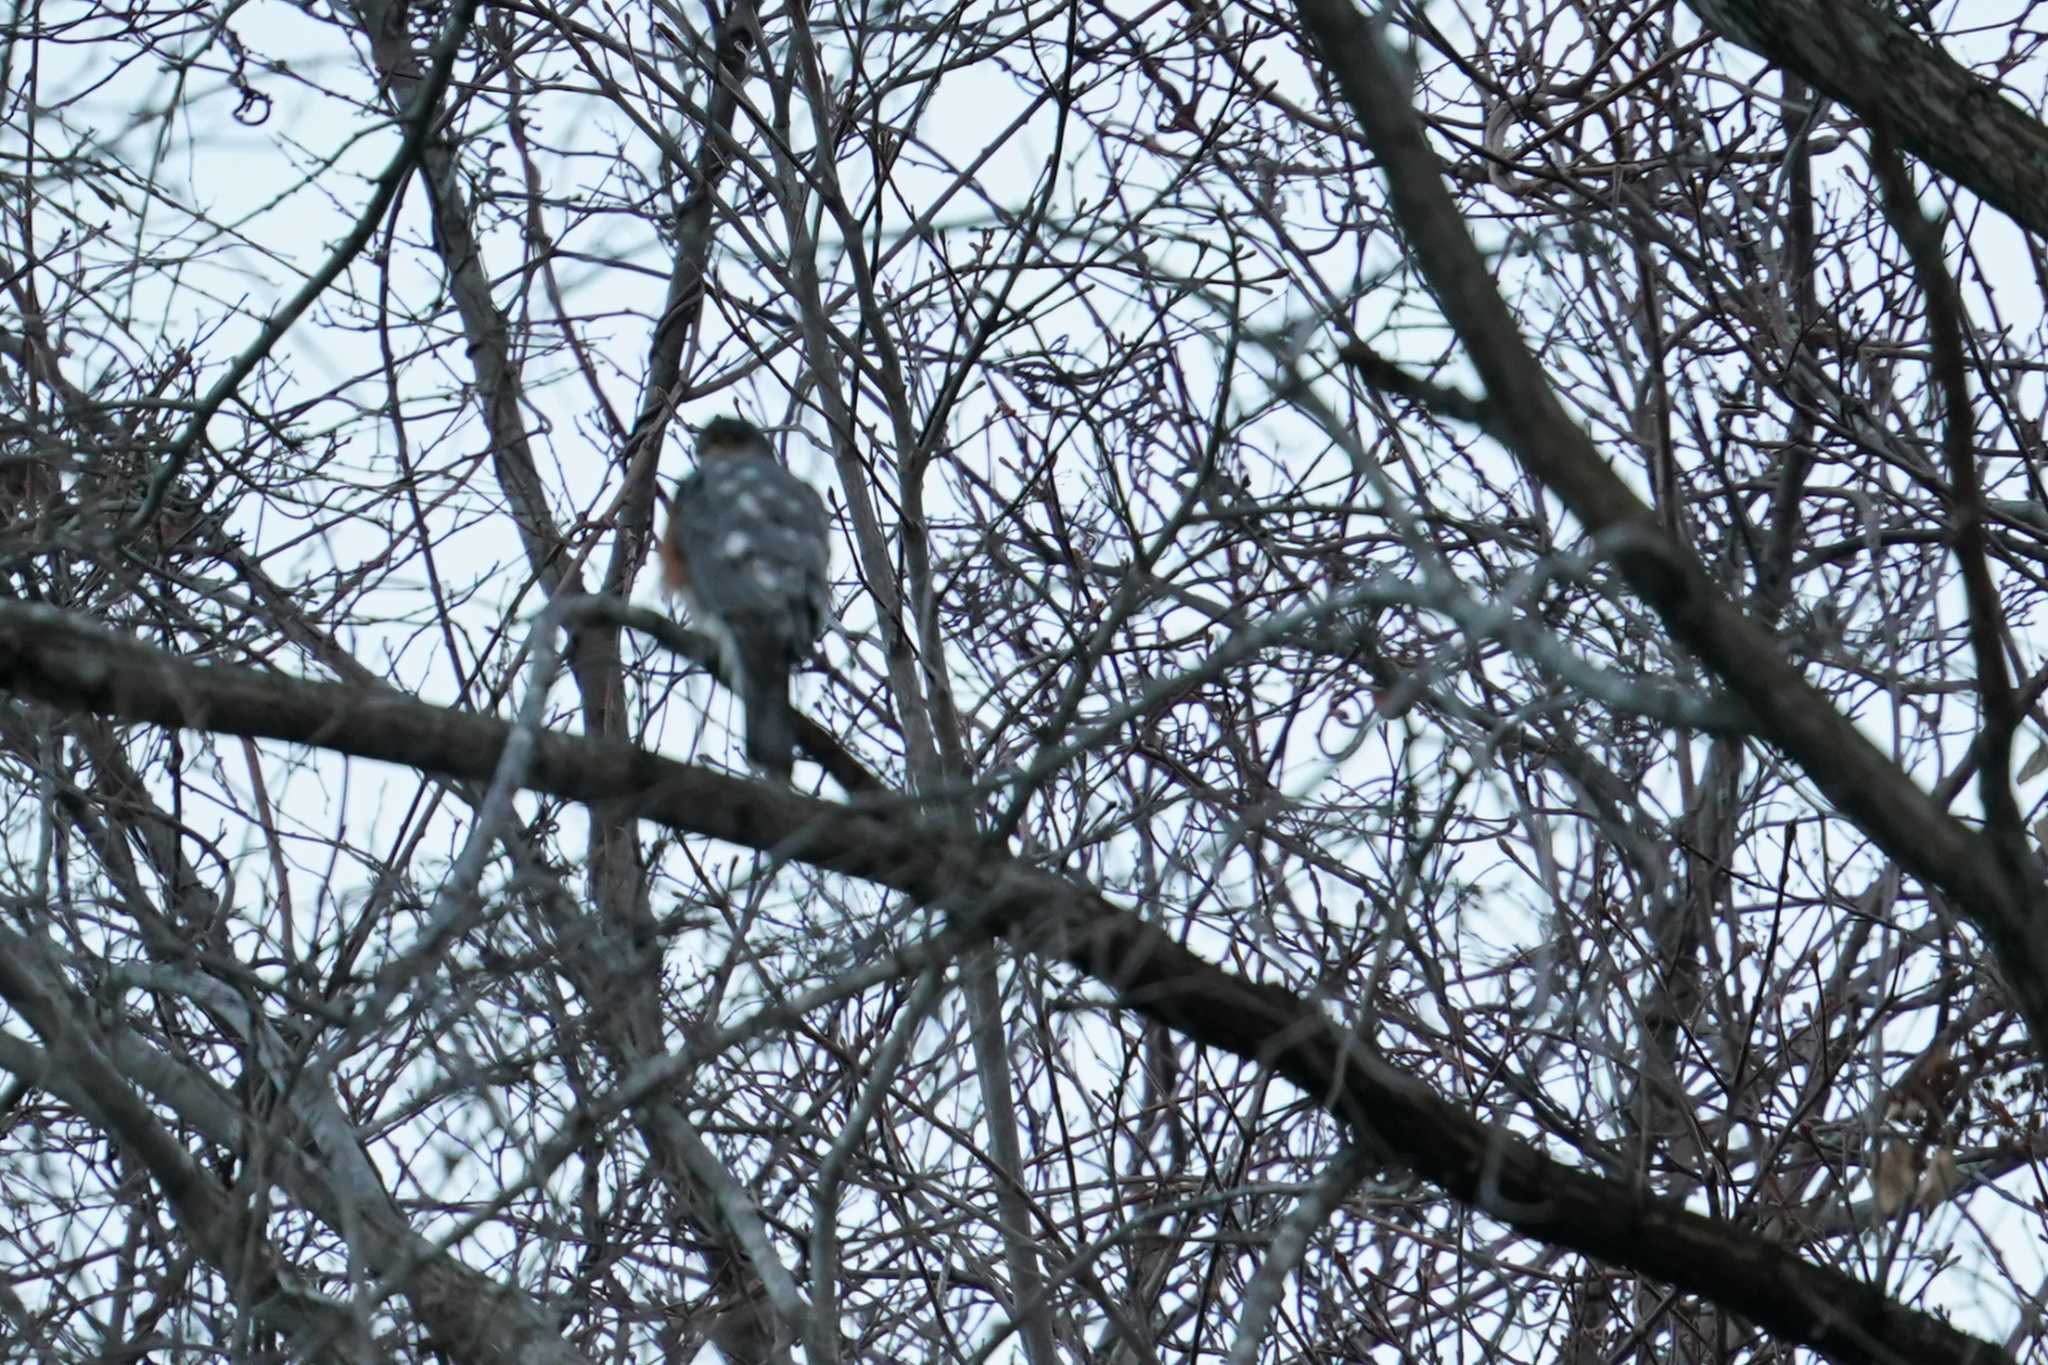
{"x": 732, "y": 438}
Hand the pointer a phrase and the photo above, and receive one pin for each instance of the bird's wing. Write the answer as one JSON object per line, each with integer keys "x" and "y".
{"x": 757, "y": 541}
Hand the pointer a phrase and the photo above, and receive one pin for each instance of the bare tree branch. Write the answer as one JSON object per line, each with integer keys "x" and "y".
{"x": 2012, "y": 910}
{"x": 66, "y": 663}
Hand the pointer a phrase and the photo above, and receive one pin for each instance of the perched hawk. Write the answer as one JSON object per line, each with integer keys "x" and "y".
{"x": 747, "y": 547}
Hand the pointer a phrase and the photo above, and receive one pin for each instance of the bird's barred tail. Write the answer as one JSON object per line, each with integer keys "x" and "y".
{"x": 764, "y": 690}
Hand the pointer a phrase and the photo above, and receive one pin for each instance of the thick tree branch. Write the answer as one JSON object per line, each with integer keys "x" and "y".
{"x": 2010, "y": 909}
{"x": 1938, "y": 109}
{"x": 684, "y": 304}
{"x": 2001, "y": 718}
{"x": 76, "y": 666}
